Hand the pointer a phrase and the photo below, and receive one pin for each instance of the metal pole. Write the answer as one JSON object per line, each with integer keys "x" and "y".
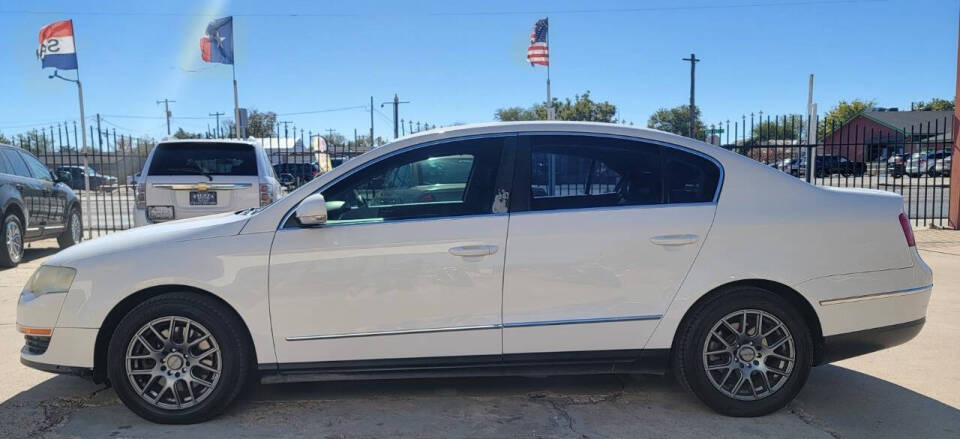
{"x": 953, "y": 215}
{"x": 236, "y": 103}
{"x": 83, "y": 131}
{"x": 811, "y": 133}
{"x": 371, "y": 123}
{"x": 551, "y": 112}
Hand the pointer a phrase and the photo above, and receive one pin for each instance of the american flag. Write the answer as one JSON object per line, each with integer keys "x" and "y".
{"x": 538, "y": 53}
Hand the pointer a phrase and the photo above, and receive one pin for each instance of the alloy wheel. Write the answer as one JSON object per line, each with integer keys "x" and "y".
{"x": 14, "y": 241}
{"x": 173, "y": 363}
{"x": 749, "y": 354}
{"x": 76, "y": 228}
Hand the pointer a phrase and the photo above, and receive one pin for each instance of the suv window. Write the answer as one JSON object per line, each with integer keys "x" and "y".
{"x": 19, "y": 167}
{"x": 4, "y": 166}
{"x": 39, "y": 170}
{"x": 450, "y": 179}
{"x": 582, "y": 171}
{"x": 202, "y": 158}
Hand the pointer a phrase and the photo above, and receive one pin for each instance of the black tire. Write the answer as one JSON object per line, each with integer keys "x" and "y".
{"x": 932, "y": 172}
{"x": 6, "y": 260}
{"x": 67, "y": 238}
{"x": 236, "y": 356}
{"x": 689, "y": 356}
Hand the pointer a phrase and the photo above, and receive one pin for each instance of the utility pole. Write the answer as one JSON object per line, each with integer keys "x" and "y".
{"x": 166, "y": 108}
{"x": 811, "y": 132}
{"x": 396, "y": 109}
{"x": 371, "y": 123}
{"x": 693, "y": 68}
{"x": 217, "y": 115}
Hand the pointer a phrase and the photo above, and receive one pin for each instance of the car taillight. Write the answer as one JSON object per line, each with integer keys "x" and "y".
{"x": 266, "y": 194}
{"x": 907, "y": 230}
{"x": 141, "y": 194}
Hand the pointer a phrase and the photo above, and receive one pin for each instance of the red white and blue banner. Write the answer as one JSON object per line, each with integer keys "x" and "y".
{"x": 56, "y": 46}
{"x": 216, "y": 44}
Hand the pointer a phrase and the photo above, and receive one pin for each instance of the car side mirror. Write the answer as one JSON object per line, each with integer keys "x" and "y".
{"x": 312, "y": 211}
{"x": 64, "y": 177}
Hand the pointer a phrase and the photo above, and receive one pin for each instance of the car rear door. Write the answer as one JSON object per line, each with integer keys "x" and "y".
{"x": 390, "y": 278}
{"x": 602, "y": 232}
{"x": 30, "y": 189}
{"x": 54, "y": 201}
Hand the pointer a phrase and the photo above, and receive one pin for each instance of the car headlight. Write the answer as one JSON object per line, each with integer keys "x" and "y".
{"x": 50, "y": 279}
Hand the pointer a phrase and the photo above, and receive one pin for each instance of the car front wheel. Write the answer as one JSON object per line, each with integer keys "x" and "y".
{"x": 746, "y": 352}
{"x": 178, "y": 358}
{"x": 11, "y": 236}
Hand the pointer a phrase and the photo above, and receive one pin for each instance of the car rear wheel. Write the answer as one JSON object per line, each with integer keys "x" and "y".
{"x": 11, "y": 236}
{"x": 179, "y": 358}
{"x": 746, "y": 352}
{"x": 74, "y": 231}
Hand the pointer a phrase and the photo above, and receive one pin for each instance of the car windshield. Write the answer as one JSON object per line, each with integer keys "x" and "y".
{"x": 202, "y": 158}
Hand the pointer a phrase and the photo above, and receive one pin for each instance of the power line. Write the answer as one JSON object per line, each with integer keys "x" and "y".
{"x": 742, "y": 5}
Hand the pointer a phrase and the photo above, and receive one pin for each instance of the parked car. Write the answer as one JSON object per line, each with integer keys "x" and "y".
{"x": 941, "y": 167}
{"x": 190, "y": 178}
{"x": 826, "y": 165}
{"x": 896, "y": 165}
{"x": 681, "y": 263}
{"x": 922, "y": 163}
{"x": 296, "y": 174}
{"x": 97, "y": 180}
{"x": 34, "y": 205}
{"x": 795, "y": 166}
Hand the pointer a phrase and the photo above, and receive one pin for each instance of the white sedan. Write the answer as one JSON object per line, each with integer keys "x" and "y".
{"x": 508, "y": 248}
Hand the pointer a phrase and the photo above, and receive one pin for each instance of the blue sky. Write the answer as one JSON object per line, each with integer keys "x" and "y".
{"x": 460, "y": 61}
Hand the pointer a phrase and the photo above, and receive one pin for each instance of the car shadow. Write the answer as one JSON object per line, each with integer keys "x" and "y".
{"x": 836, "y": 402}
{"x": 31, "y": 254}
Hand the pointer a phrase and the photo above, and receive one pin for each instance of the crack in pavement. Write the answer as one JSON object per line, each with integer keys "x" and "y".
{"x": 795, "y": 409}
{"x": 560, "y": 403}
{"x": 57, "y": 411}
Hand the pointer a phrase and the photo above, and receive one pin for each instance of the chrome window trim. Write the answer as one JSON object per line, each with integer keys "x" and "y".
{"x": 872, "y": 296}
{"x": 478, "y": 327}
{"x": 387, "y": 156}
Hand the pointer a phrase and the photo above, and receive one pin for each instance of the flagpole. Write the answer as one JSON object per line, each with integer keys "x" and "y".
{"x": 551, "y": 114}
{"x": 236, "y": 101}
{"x": 83, "y": 118}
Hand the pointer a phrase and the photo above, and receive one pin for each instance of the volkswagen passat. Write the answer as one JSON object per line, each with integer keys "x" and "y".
{"x": 512, "y": 248}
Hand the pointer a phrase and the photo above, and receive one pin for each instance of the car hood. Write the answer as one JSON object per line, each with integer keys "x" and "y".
{"x": 152, "y": 236}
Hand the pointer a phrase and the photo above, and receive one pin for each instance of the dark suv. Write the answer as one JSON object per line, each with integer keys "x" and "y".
{"x": 34, "y": 205}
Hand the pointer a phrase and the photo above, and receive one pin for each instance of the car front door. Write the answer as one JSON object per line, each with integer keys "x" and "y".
{"x": 398, "y": 271}
{"x": 30, "y": 189}
{"x": 602, "y": 233}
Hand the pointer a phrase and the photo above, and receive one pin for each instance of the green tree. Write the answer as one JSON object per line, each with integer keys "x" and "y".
{"x": 5, "y": 140}
{"x": 843, "y": 112}
{"x": 261, "y": 124}
{"x": 580, "y": 108}
{"x": 677, "y": 120}
{"x": 181, "y": 134}
{"x": 787, "y": 127}
{"x": 935, "y": 104}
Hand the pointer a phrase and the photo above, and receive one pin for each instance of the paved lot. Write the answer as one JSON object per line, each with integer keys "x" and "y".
{"x": 909, "y": 391}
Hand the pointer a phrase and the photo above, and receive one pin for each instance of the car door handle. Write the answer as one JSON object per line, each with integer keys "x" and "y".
{"x": 473, "y": 250}
{"x": 675, "y": 239}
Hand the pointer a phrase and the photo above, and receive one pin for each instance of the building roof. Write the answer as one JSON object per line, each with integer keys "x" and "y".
{"x": 922, "y": 122}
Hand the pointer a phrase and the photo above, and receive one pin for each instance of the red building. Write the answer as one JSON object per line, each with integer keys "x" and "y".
{"x": 878, "y": 134}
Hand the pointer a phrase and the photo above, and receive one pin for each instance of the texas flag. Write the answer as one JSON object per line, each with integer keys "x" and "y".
{"x": 216, "y": 44}
{"x": 56, "y": 46}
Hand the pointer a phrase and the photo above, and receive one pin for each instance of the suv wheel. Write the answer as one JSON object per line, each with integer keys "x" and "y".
{"x": 746, "y": 352}
{"x": 74, "y": 232}
{"x": 11, "y": 236}
{"x": 178, "y": 358}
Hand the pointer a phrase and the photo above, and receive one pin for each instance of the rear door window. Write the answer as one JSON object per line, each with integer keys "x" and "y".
{"x": 199, "y": 158}
{"x": 17, "y": 163}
